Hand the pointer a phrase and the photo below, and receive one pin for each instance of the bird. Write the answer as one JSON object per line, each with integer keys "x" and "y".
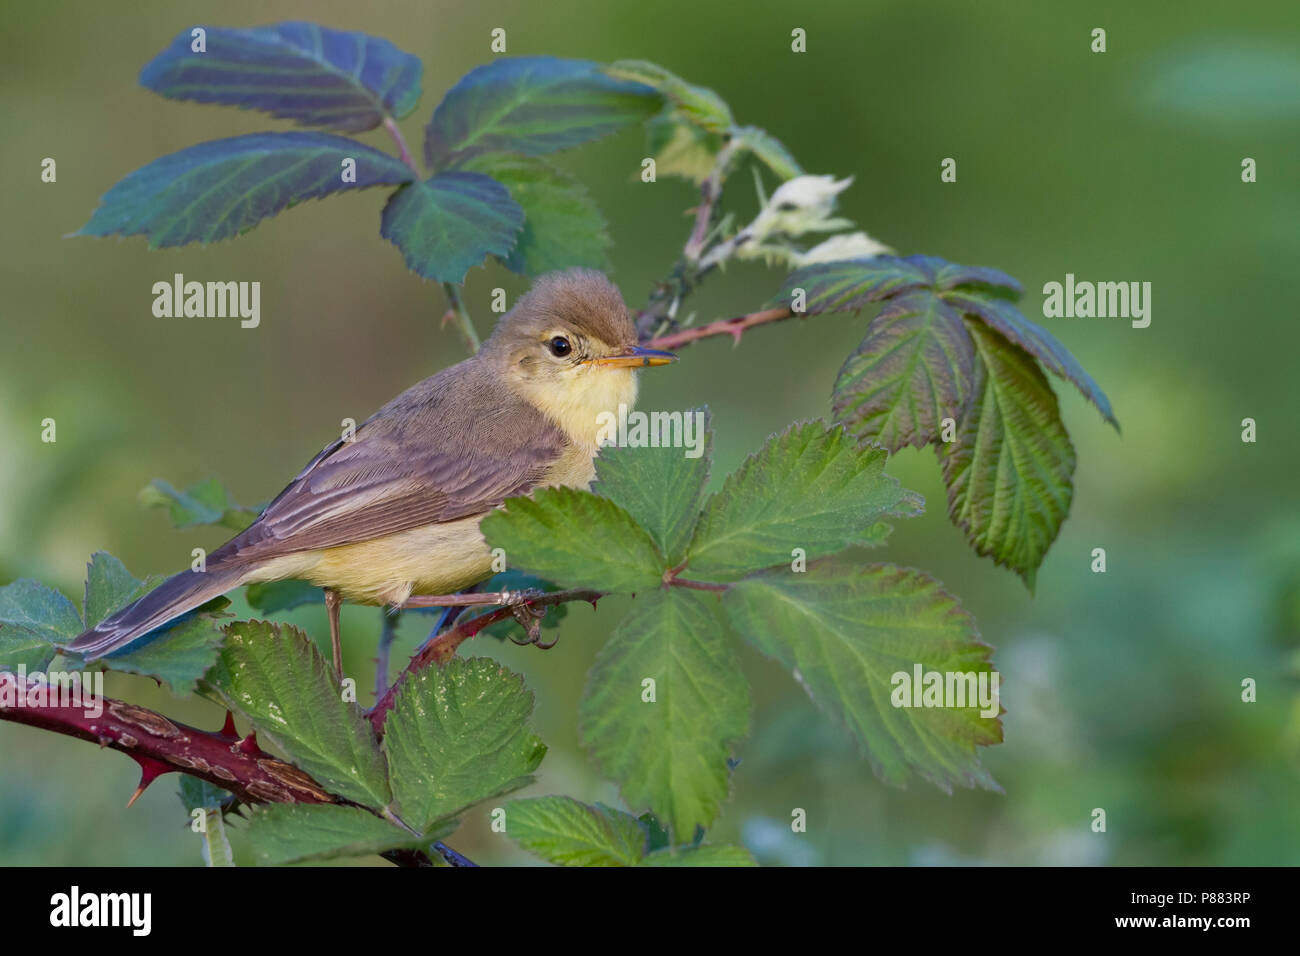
{"x": 394, "y": 509}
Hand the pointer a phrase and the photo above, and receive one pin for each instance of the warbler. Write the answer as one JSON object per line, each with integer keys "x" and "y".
{"x": 394, "y": 510}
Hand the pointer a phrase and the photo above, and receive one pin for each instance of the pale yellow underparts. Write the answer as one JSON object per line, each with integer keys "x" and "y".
{"x": 446, "y": 557}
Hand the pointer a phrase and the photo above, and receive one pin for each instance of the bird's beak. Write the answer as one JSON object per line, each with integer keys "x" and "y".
{"x": 634, "y": 357}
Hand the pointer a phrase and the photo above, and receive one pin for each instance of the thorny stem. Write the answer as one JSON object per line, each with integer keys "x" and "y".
{"x": 443, "y": 647}
{"x": 456, "y": 312}
{"x": 733, "y": 327}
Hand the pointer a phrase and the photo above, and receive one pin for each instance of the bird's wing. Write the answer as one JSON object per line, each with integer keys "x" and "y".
{"x": 429, "y": 456}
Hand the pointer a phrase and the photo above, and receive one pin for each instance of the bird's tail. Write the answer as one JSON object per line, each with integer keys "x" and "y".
{"x": 178, "y": 594}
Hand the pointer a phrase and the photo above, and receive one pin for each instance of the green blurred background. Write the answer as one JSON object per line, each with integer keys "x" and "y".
{"x": 1122, "y": 689}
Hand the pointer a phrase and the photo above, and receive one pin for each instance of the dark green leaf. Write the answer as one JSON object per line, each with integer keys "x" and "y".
{"x": 458, "y": 735}
{"x": 913, "y": 369}
{"x": 109, "y": 586}
{"x": 219, "y": 189}
{"x": 206, "y": 502}
{"x": 565, "y": 832}
{"x": 196, "y": 792}
{"x": 810, "y": 487}
{"x": 532, "y": 105}
{"x": 844, "y": 633}
{"x": 277, "y": 678}
{"x": 272, "y": 597}
{"x": 179, "y": 654}
{"x": 660, "y": 487}
{"x": 448, "y": 224}
{"x": 850, "y": 284}
{"x": 1009, "y": 471}
{"x": 1001, "y": 315}
{"x": 33, "y": 618}
{"x": 563, "y": 228}
{"x": 575, "y": 539}
{"x": 706, "y": 854}
{"x": 298, "y": 71}
{"x": 670, "y": 754}
{"x": 284, "y": 833}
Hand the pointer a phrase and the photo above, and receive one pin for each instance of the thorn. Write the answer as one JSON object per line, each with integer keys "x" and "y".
{"x": 249, "y": 745}
{"x": 228, "y": 728}
{"x": 150, "y": 770}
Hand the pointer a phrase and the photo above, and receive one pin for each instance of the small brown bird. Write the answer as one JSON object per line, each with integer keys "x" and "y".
{"x": 394, "y": 511}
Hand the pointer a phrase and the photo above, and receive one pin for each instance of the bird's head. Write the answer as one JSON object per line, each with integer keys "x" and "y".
{"x": 569, "y": 348}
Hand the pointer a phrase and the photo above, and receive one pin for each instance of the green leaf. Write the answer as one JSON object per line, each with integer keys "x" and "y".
{"x": 109, "y": 586}
{"x": 850, "y": 284}
{"x": 196, "y": 792}
{"x": 810, "y": 487}
{"x": 204, "y": 503}
{"x": 458, "y": 735}
{"x": 566, "y": 832}
{"x": 448, "y": 224}
{"x": 770, "y": 150}
{"x": 1006, "y": 319}
{"x": 298, "y": 71}
{"x": 532, "y": 105}
{"x": 219, "y": 189}
{"x": 700, "y": 105}
{"x": 670, "y": 755}
{"x": 706, "y": 854}
{"x": 274, "y": 675}
{"x": 661, "y": 488}
{"x": 199, "y": 794}
{"x": 682, "y": 149}
{"x": 1009, "y": 472}
{"x": 180, "y": 654}
{"x": 556, "y": 532}
{"x": 913, "y": 369}
{"x": 845, "y": 632}
{"x": 563, "y": 228}
{"x": 271, "y": 597}
{"x": 33, "y": 618}
{"x": 284, "y": 833}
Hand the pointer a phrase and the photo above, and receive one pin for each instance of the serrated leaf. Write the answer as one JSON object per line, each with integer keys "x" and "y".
{"x": 450, "y": 223}
{"x": 109, "y": 586}
{"x": 661, "y": 488}
{"x": 670, "y": 755}
{"x": 850, "y": 284}
{"x": 575, "y": 539}
{"x": 271, "y": 597}
{"x": 701, "y": 105}
{"x": 457, "y": 735}
{"x": 179, "y": 654}
{"x": 563, "y": 228}
{"x": 913, "y": 369}
{"x": 32, "y": 606}
{"x": 275, "y": 676}
{"x": 770, "y": 150}
{"x": 566, "y": 832}
{"x": 20, "y": 647}
{"x": 1006, "y": 319}
{"x": 284, "y": 833}
{"x": 844, "y": 632}
{"x": 197, "y": 793}
{"x": 706, "y": 854}
{"x": 298, "y": 71}
{"x": 532, "y": 105}
{"x": 1009, "y": 472}
{"x": 206, "y": 502}
{"x": 810, "y": 487}
{"x": 219, "y": 189}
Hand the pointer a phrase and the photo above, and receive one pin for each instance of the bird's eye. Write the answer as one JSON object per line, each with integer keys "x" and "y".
{"x": 560, "y": 346}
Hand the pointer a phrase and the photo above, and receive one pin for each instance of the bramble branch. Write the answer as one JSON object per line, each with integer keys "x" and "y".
{"x": 733, "y": 327}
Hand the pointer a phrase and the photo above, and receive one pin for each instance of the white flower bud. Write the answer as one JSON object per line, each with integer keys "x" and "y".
{"x": 852, "y": 245}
